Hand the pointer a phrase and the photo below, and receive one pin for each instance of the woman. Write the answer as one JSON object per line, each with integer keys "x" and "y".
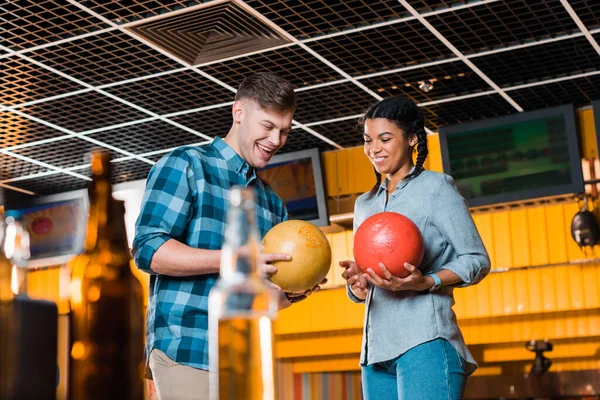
{"x": 412, "y": 346}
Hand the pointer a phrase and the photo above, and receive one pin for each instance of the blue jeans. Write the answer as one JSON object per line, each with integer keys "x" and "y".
{"x": 430, "y": 371}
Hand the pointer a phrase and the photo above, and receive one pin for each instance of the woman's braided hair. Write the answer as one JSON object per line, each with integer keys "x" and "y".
{"x": 407, "y": 116}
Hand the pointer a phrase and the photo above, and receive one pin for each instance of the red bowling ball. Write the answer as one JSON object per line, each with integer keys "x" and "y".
{"x": 389, "y": 238}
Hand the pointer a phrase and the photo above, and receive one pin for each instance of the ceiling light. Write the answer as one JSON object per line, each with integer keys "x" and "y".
{"x": 425, "y": 86}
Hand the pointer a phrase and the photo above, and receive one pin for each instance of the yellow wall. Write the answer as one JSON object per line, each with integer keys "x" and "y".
{"x": 587, "y": 133}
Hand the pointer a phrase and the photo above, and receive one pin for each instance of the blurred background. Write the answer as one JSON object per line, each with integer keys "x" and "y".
{"x": 508, "y": 91}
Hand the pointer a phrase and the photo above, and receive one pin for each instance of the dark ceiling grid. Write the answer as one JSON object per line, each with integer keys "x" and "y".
{"x": 123, "y": 101}
{"x": 459, "y": 54}
{"x": 581, "y": 25}
{"x": 34, "y": 165}
{"x": 588, "y": 11}
{"x": 72, "y": 134}
{"x": 32, "y": 23}
{"x": 383, "y": 48}
{"x": 102, "y": 92}
{"x": 292, "y": 63}
{"x": 142, "y": 40}
{"x": 543, "y": 62}
{"x": 104, "y": 58}
{"x": 448, "y": 80}
{"x": 582, "y": 90}
{"x": 21, "y": 81}
{"x": 397, "y": 70}
{"x": 345, "y": 132}
{"x": 83, "y": 112}
{"x": 63, "y": 153}
{"x": 439, "y": 106}
{"x": 496, "y": 24}
{"x": 312, "y": 18}
{"x": 146, "y": 137}
{"x": 17, "y": 131}
{"x": 332, "y": 102}
{"x": 13, "y": 164}
{"x": 213, "y": 122}
{"x": 119, "y": 53}
{"x": 285, "y": 34}
{"x": 467, "y": 110}
{"x": 174, "y": 92}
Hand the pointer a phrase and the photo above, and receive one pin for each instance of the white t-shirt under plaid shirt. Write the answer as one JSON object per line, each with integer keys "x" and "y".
{"x": 186, "y": 200}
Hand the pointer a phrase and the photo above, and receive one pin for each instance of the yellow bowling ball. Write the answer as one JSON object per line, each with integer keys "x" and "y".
{"x": 310, "y": 251}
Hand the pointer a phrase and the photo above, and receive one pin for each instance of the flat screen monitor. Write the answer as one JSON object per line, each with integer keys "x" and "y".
{"x": 297, "y": 178}
{"x": 56, "y": 229}
{"x": 514, "y": 158}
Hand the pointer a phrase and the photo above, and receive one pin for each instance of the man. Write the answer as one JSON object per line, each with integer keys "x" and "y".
{"x": 179, "y": 232}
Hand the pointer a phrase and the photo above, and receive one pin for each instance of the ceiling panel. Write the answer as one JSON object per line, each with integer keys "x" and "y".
{"x": 448, "y": 80}
{"x": 174, "y": 92}
{"x": 84, "y": 112}
{"x": 382, "y": 48}
{"x": 345, "y": 133}
{"x": 132, "y": 10}
{"x": 502, "y": 23}
{"x": 539, "y": 63}
{"x": 63, "y": 153}
{"x": 292, "y": 63}
{"x": 22, "y": 81}
{"x": 331, "y": 102}
{"x": 13, "y": 167}
{"x": 588, "y": 11}
{"x": 106, "y": 58}
{"x": 18, "y": 130}
{"x": 147, "y": 137}
{"x": 316, "y": 18}
{"x": 214, "y": 122}
{"x": 579, "y": 92}
{"x": 468, "y": 110}
{"x": 29, "y": 23}
{"x": 424, "y": 6}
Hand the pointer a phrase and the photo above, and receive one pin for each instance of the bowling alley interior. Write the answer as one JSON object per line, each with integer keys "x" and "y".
{"x": 510, "y": 95}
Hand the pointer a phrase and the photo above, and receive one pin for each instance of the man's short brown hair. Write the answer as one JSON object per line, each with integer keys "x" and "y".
{"x": 269, "y": 90}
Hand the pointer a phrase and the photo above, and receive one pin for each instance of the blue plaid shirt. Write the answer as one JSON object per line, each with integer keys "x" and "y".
{"x": 186, "y": 199}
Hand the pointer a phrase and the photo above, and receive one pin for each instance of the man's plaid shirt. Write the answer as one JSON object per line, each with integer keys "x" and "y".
{"x": 186, "y": 199}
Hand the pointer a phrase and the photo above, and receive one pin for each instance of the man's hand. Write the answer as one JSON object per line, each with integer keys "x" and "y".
{"x": 267, "y": 270}
{"x": 296, "y": 297}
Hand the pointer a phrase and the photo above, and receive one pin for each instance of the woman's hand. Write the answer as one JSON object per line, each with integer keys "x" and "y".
{"x": 414, "y": 281}
{"x": 354, "y": 277}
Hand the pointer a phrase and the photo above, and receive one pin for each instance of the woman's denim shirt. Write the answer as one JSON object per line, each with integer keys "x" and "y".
{"x": 395, "y": 322}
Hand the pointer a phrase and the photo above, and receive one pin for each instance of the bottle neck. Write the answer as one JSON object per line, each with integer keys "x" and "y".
{"x": 241, "y": 248}
{"x": 100, "y": 215}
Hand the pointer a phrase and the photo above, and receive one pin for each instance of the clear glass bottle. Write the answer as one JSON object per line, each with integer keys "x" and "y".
{"x": 241, "y": 310}
{"x": 107, "y": 321}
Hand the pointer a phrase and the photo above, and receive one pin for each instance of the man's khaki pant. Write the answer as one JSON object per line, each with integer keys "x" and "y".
{"x": 175, "y": 381}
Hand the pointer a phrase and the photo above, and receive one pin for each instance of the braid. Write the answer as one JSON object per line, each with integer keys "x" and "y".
{"x": 422, "y": 151}
{"x": 377, "y": 184}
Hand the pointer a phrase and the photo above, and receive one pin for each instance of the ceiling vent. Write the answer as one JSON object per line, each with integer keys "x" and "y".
{"x": 210, "y": 33}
